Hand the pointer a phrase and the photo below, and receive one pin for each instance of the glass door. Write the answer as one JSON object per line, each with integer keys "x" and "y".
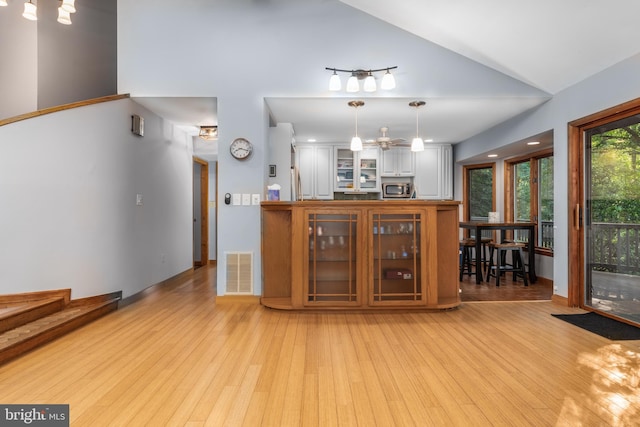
{"x": 612, "y": 218}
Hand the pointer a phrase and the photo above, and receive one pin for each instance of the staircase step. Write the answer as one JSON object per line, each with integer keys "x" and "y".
{"x": 18, "y": 314}
{"x": 40, "y": 331}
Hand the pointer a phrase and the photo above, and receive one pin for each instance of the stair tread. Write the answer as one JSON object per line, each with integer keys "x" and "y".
{"x": 46, "y": 323}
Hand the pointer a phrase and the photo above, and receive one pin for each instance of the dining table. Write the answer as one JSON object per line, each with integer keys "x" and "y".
{"x": 503, "y": 227}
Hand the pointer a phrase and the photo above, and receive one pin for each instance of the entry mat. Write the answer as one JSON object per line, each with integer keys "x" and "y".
{"x": 601, "y": 325}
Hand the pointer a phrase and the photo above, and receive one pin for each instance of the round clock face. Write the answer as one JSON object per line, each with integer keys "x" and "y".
{"x": 241, "y": 148}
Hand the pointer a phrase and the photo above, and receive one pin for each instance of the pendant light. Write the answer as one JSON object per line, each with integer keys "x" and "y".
{"x": 417, "y": 144}
{"x": 4, "y": 3}
{"x": 30, "y": 10}
{"x": 356, "y": 142}
{"x": 64, "y": 17}
{"x": 68, "y": 6}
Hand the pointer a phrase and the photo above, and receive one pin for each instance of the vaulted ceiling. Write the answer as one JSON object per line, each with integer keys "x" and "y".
{"x": 545, "y": 46}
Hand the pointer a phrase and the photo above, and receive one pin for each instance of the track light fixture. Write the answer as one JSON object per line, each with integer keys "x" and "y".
{"x": 209, "y": 133}
{"x": 353, "y": 85}
{"x": 356, "y": 142}
{"x": 67, "y": 7}
{"x": 417, "y": 144}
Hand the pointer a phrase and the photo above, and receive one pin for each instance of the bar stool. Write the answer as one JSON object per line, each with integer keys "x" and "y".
{"x": 468, "y": 260}
{"x": 517, "y": 266}
{"x": 466, "y": 257}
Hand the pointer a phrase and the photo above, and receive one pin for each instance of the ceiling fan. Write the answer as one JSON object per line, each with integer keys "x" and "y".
{"x": 385, "y": 142}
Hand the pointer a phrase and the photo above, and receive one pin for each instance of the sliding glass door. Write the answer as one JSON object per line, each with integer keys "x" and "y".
{"x": 611, "y": 218}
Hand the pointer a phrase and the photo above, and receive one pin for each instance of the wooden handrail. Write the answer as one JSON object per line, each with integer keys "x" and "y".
{"x": 57, "y": 108}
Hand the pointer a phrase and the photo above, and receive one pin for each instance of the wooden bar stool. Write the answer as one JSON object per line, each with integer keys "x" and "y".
{"x": 517, "y": 266}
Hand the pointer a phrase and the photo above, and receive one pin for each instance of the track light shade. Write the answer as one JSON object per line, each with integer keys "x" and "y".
{"x": 352, "y": 84}
{"x": 68, "y": 6}
{"x": 64, "y": 17}
{"x": 370, "y": 84}
{"x": 4, "y": 3}
{"x": 388, "y": 81}
{"x": 335, "y": 84}
{"x": 30, "y": 11}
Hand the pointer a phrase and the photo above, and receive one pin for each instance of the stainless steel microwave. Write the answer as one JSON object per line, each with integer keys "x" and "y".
{"x": 391, "y": 190}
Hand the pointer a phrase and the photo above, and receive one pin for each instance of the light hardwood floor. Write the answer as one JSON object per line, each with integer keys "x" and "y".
{"x": 179, "y": 358}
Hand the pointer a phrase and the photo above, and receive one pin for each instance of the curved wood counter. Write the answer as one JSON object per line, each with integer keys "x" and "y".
{"x": 360, "y": 255}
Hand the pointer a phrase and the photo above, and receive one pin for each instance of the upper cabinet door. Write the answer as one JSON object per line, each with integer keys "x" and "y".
{"x": 434, "y": 171}
{"x": 398, "y": 161}
{"x": 315, "y": 164}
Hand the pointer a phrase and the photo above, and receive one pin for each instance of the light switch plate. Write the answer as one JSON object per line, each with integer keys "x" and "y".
{"x": 255, "y": 199}
{"x": 236, "y": 199}
{"x": 139, "y": 199}
{"x": 246, "y": 199}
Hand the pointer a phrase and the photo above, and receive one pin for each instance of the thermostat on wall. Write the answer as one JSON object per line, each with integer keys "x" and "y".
{"x": 137, "y": 125}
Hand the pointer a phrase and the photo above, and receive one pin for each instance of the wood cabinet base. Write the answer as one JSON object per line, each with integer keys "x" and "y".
{"x": 360, "y": 255}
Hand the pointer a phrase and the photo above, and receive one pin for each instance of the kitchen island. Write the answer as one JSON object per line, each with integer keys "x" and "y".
{"x": 360, "y": 255}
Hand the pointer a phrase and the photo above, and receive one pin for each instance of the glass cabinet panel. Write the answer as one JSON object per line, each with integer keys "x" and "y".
{"x": 344, "y": 169}
{"x": 357, "y": 171}
{"x": 396, "y": 259}
{"x": 332, "y": 269}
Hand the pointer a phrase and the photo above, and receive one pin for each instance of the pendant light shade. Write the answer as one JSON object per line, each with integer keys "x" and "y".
{"x": 64, "y": 17}
{"x": 68, "y": 6}
{"x": 334, "y": 82}
{"x": 30, "y": 10}
{"x": 352, "y": 84}
{"x": 388, "y": 81}
{"x": 3, "y": 3}
{"x": 356, "y": 142}
{"x": 417, "y": 144}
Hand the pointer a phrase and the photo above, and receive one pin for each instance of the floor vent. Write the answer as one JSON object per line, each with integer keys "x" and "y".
{"x": 239, "y": 272}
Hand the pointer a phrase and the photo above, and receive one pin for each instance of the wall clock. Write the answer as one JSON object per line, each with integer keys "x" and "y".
{"x": 241, "y": 148}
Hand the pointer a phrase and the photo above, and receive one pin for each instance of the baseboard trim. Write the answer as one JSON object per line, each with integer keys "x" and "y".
{"x": 143, "y": 293}
{"x": 243, "y": 299}
{"x": 560, "y": 300}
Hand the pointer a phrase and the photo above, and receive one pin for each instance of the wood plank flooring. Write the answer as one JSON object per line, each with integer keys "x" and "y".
{"x": 179, "y": 358}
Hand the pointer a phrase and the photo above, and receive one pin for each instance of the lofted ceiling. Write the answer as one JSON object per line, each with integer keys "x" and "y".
{"x": 548, "y": 45}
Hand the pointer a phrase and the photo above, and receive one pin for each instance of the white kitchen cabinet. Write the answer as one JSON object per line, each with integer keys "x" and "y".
{"x": 433, "y": 179}
{"x": 315, "y": 165}
{"x": 397, "y": 161}
{"x": 357, "y": 171}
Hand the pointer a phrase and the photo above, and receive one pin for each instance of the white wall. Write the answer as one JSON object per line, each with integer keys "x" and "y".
{"x": 614, "y": 86}
{"x": 69, "y": 219}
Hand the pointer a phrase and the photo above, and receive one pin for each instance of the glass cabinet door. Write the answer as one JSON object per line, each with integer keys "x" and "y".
{"x": 368, "y": 180}
{"x": 396, "y": 267}
{"x": 344, "y": 170}
{"x": 332, "y": 268}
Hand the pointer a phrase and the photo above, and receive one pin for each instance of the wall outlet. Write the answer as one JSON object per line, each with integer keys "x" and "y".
{"x": 138, "y": 199}
{"x": 255, "y": 199}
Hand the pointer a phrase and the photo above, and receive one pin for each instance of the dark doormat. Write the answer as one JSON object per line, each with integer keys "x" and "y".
{"x": 601, "y": 325}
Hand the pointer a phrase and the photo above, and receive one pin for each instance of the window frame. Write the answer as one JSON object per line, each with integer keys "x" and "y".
{"x": 509, "y": 190}
{"x": 466, "y": 214}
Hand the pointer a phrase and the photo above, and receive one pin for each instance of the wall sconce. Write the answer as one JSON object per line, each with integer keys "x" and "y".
{"x": 353, "y": 84}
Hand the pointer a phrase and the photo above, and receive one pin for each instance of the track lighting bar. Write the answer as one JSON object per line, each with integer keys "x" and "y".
{"x": 388, "y": 81}
{"x": 65, "y": 10}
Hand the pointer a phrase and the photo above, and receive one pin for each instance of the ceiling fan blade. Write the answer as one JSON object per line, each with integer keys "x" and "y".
{"x": 398, "y": 140}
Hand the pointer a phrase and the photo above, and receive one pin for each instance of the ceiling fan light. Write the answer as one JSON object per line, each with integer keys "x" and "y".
{"x": 64, "y": 17}
{"x": 30, "y": 10}
{"x": 68, "y": 6}
{"x": 334, "y": 82}
{"x": 417, "y": 144}
{"x": 356, "y": 143}
{"x": 208, "y": 133}
{"x": 352, "y": 84}
{"x": 388, "y": 81}
{"x": 370, "y": 84}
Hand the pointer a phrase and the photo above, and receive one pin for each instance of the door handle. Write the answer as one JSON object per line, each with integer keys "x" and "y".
{"x": 577, "y": 218}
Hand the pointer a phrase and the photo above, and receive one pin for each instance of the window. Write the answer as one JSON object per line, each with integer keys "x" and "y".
{"x": 479, "y": 192}
{"x": 529, "y": 196}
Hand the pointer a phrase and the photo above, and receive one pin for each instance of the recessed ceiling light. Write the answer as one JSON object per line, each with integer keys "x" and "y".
{"x": 311, "y": 140}
{"x": 533, "y": 143}
{"x": 428, "y": 140}
{"x": 492, "y": 155}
